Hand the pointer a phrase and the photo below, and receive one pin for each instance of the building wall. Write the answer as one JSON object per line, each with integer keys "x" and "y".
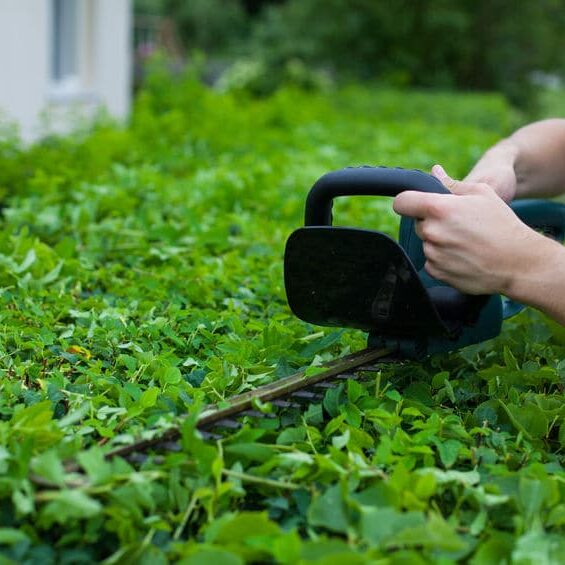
{"x": 112, "y": 38}
{"x": 30, "y": 97}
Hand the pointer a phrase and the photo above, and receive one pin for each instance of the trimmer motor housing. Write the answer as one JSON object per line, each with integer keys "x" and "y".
{"x": 357, "y": 278}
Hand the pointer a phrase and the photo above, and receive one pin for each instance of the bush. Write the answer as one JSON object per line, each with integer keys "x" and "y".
{"x": 434, "y": 43}
{"x": 478, "y": 45}
{"x": 141, "y": 278}
{"x": 211, "y": 25}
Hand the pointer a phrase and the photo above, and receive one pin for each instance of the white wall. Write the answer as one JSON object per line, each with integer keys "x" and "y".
{"x": 28, "y": 95}
{"x": 112, "y": 59}
{"x": 24, "y": 61}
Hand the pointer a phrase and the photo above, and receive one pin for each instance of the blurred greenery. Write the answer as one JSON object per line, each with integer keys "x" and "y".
{"x": 463, "y": 44}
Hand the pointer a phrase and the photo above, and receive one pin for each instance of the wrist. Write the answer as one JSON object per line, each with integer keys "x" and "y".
{"x": 496, "y": 168}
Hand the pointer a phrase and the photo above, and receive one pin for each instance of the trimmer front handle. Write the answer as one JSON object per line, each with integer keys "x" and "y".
{"x": 363, "y": 181}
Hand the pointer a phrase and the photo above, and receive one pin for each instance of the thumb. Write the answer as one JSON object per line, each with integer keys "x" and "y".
{"x": 455, "y": 186}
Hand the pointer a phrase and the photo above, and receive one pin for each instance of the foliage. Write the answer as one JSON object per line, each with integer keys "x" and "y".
{"x": 212, "y": 25}
{"x": 485, "y": 44}
{"x": 447, "y": 43}
{"x": 141, "y": 278}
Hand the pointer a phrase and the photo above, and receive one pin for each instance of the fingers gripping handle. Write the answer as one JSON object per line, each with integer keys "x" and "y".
{"x": 363, "y": 181}
{"x": 384, "y": 181}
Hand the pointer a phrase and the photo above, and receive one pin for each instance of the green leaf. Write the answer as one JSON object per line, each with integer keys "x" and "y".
{"x": 328, "y": 511}
{"x": 69, "y": 505}
{"x": 448, "y": 451}
{"x": 339, "y": 442}
{"x": 11, "y": 536}
{"x": 556, "y": 516}
{"x": 332, "y": 551}
{"x": 313, "y": 371}
{"x": 353, "y": 416}
{"x": 36, "y": 424}
{"x": 206, "y": 556}
{"x": 465, "y": 478}
{"x": 333, "y": 399}
{"x": 510, "y": 360}
{"x": 320, "y": 344}
{"x": 314, "y": 415}
{"x": 495, "y": 550}
{"x": 355, "y": 391}
{"x": 240, "y": 528}
{"x": 534, "y": 494}
{"x": 168, "y": 375}
{"x": 528, "y": 419}
{"x": 75, "y": 416}
{"x": 378, "y": 525}
{"x": 149, "y": 397}
{"x": 435, "y": 533}
{"x": 393, "y": 395}
{"x": 49, "y": 466}
{"x": 290, "y": 436}
{"x": 28, "y": 261}
{"x": 99, "y": 471}
{"x": 538, "y": 547}
{"x": 287, "y": 548}
{"x": 249, "y": 451}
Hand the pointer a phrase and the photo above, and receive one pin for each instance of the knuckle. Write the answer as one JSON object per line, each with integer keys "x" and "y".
{"x": 439, "y": 208}
{"x": 431, "y": 269}
{"x": 429, "y": 233}
{"x": 436, "y": 208}
{"x": 483, "y": 188}
{"x": 429, "y": 251}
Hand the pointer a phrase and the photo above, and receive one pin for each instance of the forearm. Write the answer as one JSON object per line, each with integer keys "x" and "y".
{"x": 539, "y": 277}
{"x": 529, "y": 163}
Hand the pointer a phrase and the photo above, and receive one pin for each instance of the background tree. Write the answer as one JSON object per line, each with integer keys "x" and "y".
{"x": 464, "y": 44}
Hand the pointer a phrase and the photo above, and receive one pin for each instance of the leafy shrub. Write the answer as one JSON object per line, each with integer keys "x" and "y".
{"x": 439, "y": 43}
{"x": 254, "y": 76}
{"x": 212, "y": 25}
{"x": 484, "y": 45}
{"x": 141, "y": 277}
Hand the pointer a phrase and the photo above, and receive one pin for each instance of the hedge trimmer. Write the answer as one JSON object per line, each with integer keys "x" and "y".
{"x": 357, "y": 278}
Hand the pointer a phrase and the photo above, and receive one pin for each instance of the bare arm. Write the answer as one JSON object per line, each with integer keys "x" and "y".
{"x": 474, "y": 242}
{"x": 529, "y": 163}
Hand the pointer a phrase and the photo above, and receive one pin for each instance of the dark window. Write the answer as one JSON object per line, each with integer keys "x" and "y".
{"x": 65, "y": 52}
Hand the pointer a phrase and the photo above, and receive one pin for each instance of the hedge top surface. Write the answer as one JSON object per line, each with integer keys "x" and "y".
{"x": 141, "y": 277}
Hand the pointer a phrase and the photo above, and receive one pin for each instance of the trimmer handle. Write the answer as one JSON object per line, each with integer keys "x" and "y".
{"x": 372, "y": 181}
{"x": 384, "y": 181}
{"x": 363, "y": 181}
{"x": 543, "y": 215}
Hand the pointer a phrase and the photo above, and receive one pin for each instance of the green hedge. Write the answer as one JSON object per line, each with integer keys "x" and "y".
{"x": 141, "y": 277}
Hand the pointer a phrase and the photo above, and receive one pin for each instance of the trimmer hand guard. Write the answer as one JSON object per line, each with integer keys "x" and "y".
{"x": 357, "y": 278}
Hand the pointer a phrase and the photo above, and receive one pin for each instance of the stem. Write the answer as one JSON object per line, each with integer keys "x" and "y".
{"x": 259, "y": 480}
{"x": 186, "y": 516}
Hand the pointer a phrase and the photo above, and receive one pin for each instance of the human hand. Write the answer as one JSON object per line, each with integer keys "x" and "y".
{"x": 472, "y": 239}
